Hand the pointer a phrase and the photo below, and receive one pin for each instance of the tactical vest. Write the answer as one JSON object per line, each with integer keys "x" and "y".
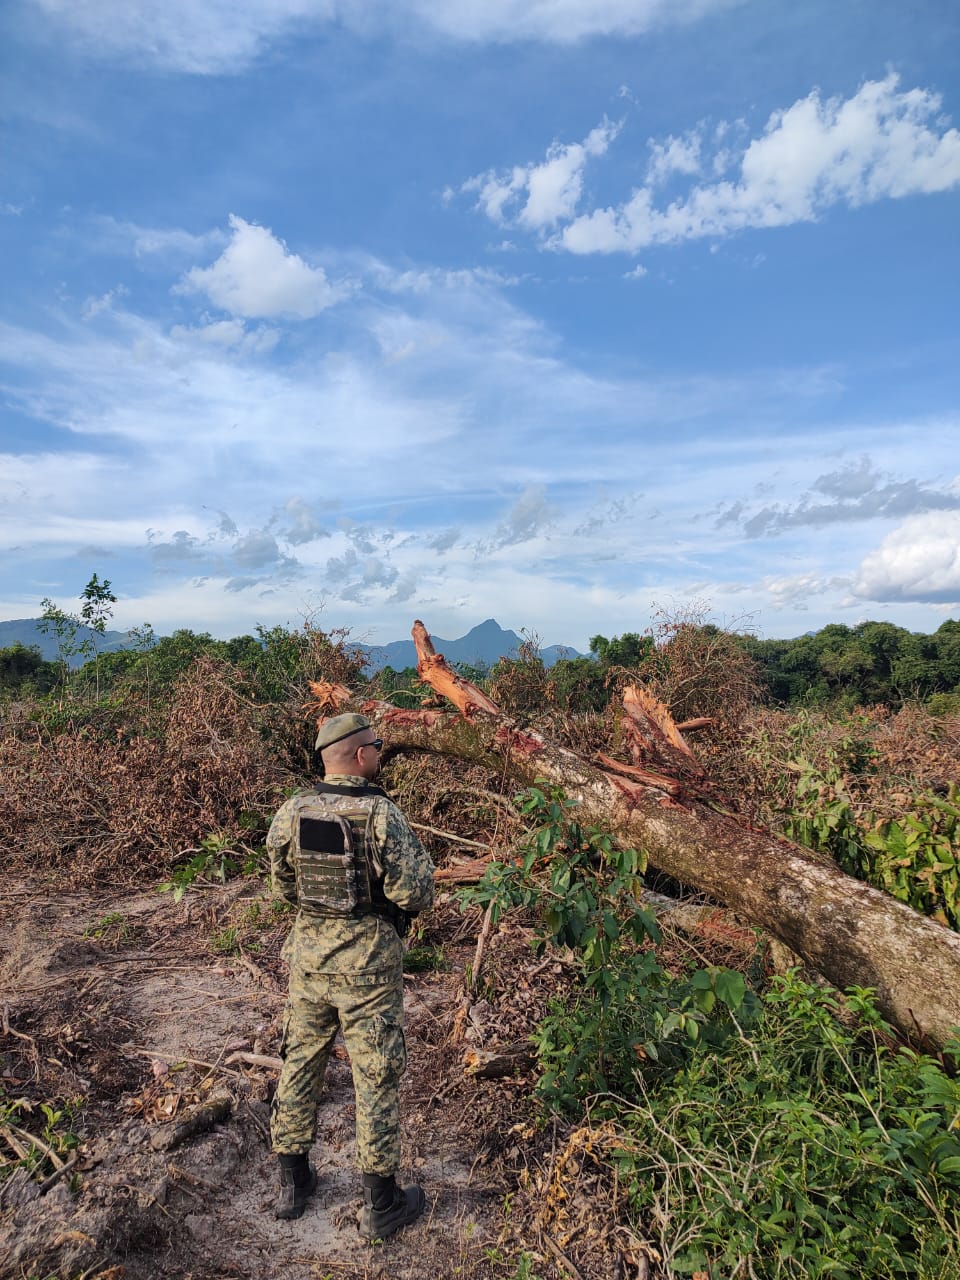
{"x": 339, "y": 874}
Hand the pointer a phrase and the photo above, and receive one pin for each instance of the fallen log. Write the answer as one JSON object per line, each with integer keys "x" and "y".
{"x": 846, "y": 930}
{"x": 198, "y": 1120}
{"x": 495, "y": 1064}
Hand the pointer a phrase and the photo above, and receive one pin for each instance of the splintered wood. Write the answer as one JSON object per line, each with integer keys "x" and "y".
{"x": 433, "y": 670}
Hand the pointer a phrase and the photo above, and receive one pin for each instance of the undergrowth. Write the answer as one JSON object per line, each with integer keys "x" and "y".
{"x": 776, "y": 1134}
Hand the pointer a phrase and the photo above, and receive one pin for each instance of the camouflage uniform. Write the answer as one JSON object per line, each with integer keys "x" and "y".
{"x": 347, "y": 974}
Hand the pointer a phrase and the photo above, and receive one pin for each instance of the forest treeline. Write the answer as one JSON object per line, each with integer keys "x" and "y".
{"x": 839, "y": 666}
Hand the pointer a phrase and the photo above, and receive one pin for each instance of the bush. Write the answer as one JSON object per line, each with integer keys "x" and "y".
{"x": 810, "y": 1148}
{"x": 780, "y": 1137}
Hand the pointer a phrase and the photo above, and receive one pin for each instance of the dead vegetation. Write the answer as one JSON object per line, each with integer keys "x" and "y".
{"x": 125, "y": 1013}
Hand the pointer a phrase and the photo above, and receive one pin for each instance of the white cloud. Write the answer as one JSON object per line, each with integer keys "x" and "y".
{"x": 93, "y": 306}
{"x": 213, "y": 37}
{"x": 257, "y": 276}
{"x": 197, "y": 36}
{"x": 298, "y": 523}
{"x": 550, "y": 190}
{"x": 562, "y": 21}
{"x": 919, "y": 561}
{"x": 130, "y": 237}
{"x": 529, "y": 517}
{"x": 230, "y": 335}
{"x": 882, "y": 143}
{"x": 793, "y": 590}
{"x": 676, "y": 155}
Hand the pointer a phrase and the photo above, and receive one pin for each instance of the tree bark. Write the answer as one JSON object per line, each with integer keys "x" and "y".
{"x": 846, "y": 930}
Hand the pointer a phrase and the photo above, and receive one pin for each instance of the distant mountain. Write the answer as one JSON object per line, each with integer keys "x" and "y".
{"x": 26, "y": 631}
{"x": 484, "y": 644}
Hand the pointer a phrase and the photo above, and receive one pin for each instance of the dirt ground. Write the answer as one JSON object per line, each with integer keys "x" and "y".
{"x": 126, "y": 1011}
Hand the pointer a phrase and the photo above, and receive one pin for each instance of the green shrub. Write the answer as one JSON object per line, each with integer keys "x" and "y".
{"x": 778, "y": 1137}
{"x": 912, "y": 857}
{"x": 625, "y": 1008}
{"x": 809, "y": 1148}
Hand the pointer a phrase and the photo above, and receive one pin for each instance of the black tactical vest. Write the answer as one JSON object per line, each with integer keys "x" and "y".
{"x": 339, "y": 874}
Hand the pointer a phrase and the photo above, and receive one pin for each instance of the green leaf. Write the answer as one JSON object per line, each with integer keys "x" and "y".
{"x": 731, "y": 988}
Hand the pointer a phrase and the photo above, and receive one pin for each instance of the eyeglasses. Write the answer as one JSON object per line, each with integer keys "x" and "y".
{"x": 377, "y": 744}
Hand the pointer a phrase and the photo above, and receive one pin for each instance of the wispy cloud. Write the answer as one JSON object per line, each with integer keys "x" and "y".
{"x": 538, "y": 196}
{"x": 220, "y": 37}
{"x": 530, "y": 517}
{"x": 884, "y": 142}
{"x": 855, "y": 493}
{"x": 107, "y": 233}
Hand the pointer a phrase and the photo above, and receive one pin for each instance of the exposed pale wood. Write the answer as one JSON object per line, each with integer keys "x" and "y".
{"x": 433, "y": 670}
{"x": 32, "y": 1138}
{"x": 850, "y": 932}
{"x": 670, "y": 785}
{"x": 700, "y": 722}
{"x": 652, "y": 735}
{"x": 460, "y": 1017}
{"x": 254, "y": 1060}
{"x": 450, "y": 837}
{"x": 467, "y": 871}
{"x": 327, "y": 698}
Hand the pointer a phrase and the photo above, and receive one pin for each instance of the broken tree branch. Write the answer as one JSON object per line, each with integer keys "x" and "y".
{"x": 450, "y": 837}
{"x": 850, "y": 932}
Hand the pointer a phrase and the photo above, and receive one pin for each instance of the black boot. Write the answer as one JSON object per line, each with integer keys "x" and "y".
{"x": 387, "y": 1207}
{"x": 298, "y": 1181}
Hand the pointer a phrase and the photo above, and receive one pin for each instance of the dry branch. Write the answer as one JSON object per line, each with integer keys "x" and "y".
{"x": 464, "y": 871}
{"x": 850, "y": 932}
{"x": 450, "y": 837}
{"x": 198, "y": 1120}
{"x": 254, "y": 1060}
{"x": 494, "y": 1064}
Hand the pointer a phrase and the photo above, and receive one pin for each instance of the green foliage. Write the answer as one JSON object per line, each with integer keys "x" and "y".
{"x": 95, "y": 611}
{"x": 224, "y": 941}
{"x": 578, "y": 686}
{"x": 55, "y": 1120}
{"x": 873, "y": 662}
{"x": 628, "y": 650}
{"x": 215, "y": 861}
{"x": 807, "y": 1148}
{"x": 914, "y": 857}
{"x": 76, "y": 633}
{"x": 25, "y": 673}
{"x": 424, "y": 958}
{"x": 405, "y": 688}
{"x": 626, "y": 1008}
{"x": 111, "y": 926}
{"x": 779, "y": 1137}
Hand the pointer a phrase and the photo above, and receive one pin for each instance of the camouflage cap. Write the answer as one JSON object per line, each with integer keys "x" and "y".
{"x": 338, "y": 728}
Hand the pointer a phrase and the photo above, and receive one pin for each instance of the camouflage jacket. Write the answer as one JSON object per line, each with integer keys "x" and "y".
{"x": 367, "y": 944}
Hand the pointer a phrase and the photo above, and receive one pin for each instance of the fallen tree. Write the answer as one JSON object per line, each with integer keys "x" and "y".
{"x": 660, "y": 802}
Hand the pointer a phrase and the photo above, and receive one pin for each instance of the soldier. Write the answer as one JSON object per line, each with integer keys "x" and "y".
{"x": 344, "y": 854}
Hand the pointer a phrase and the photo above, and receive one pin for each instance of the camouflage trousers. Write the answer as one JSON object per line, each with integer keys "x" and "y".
{"x": 370, "y": 1015}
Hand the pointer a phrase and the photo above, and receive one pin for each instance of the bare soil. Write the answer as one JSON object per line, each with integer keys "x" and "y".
{"x": 122, "y": 1009}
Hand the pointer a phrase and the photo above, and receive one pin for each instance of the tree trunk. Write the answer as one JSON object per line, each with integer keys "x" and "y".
{"x": 846, "y": 930}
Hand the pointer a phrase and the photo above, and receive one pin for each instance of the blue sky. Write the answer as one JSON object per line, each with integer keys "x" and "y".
{"x": 557, "y": 312}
